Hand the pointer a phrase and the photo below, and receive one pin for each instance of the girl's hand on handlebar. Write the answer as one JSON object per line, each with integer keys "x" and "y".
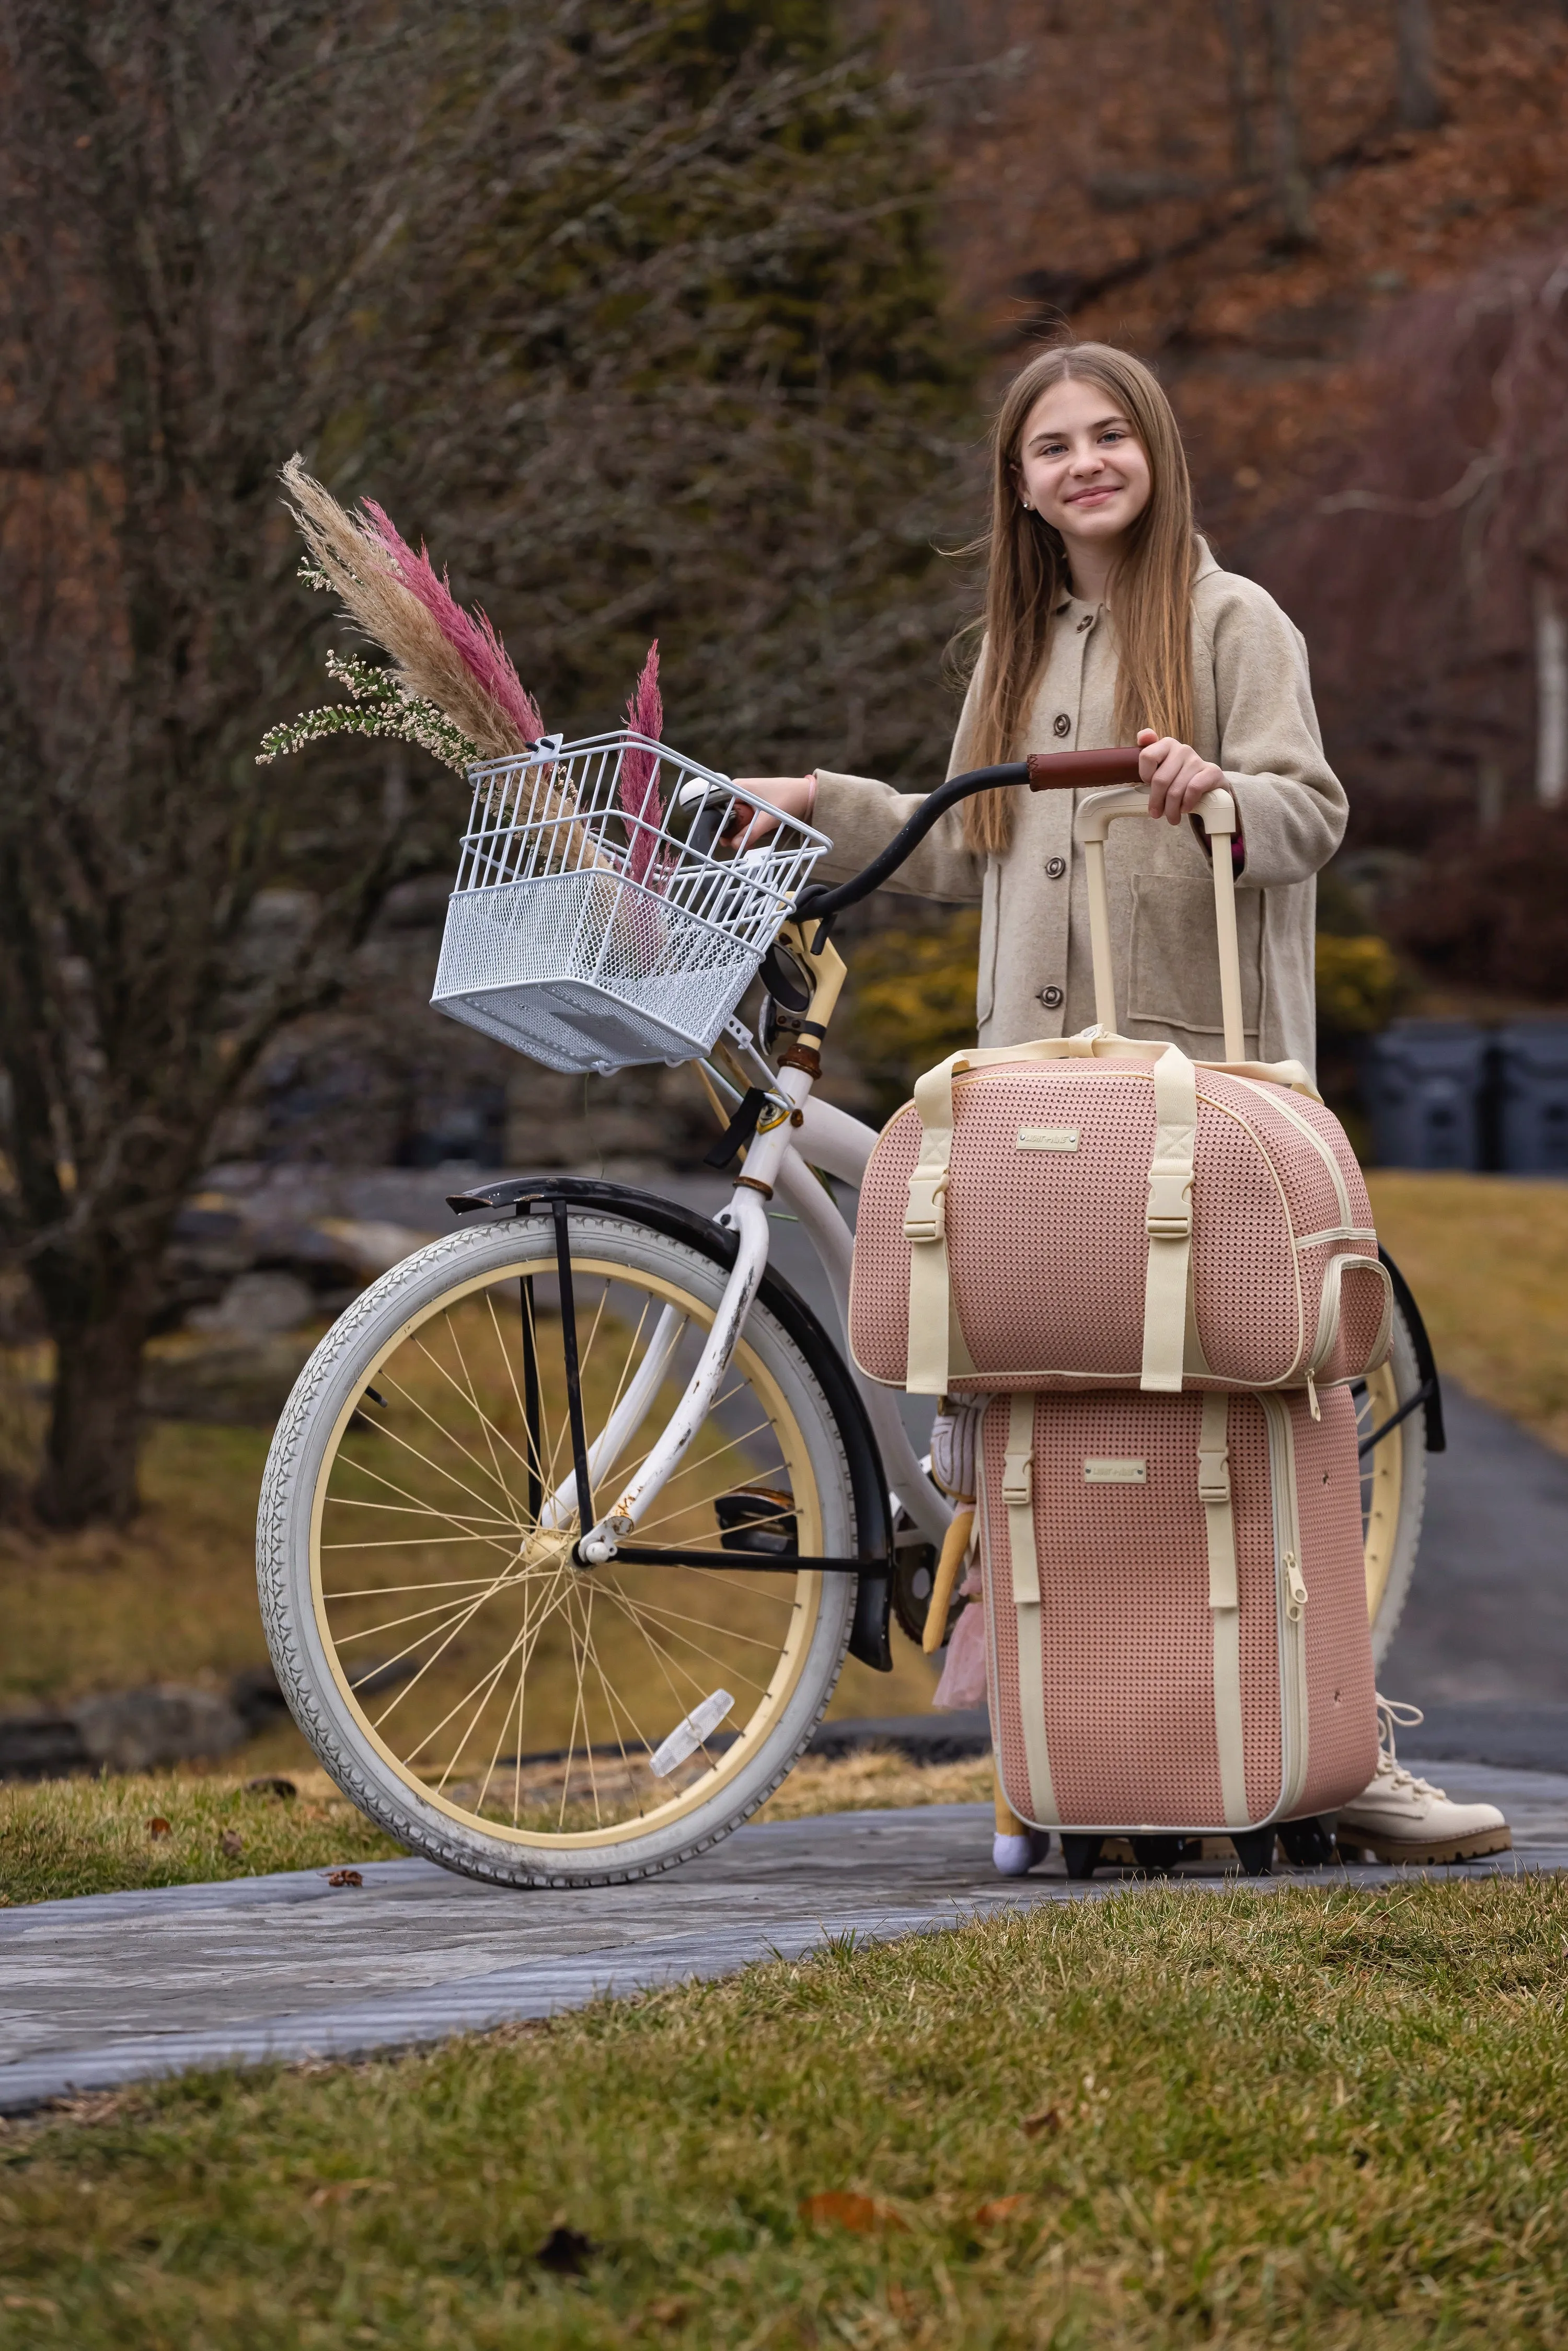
{"x": 757, "y": 796}
{"x": 1177, "y": 778}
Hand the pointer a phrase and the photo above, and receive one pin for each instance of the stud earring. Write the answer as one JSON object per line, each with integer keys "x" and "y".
{"x": 1027, "y": 506}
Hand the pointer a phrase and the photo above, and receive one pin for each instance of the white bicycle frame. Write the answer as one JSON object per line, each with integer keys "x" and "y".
{"x": 795, "y": 1136}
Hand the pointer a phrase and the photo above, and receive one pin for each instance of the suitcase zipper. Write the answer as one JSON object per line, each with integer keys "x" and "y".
{"x": 1292, "y": 1601}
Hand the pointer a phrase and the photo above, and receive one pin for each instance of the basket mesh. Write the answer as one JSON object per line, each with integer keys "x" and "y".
{"x": 589, "y": 926}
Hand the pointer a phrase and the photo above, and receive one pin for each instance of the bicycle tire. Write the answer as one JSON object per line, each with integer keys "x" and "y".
{"x": 327, "y": 1416}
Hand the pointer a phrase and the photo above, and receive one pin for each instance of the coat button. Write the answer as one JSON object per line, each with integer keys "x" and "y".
{"x": 1050, "y": 998}
{"x": 1056, "y": 867}
{"x": 1062, "y": 723}
{"x": 1086, "y": 622}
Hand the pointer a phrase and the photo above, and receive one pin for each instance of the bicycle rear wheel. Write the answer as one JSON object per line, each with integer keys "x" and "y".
{"x": 1392, "y": 1483}
{"x": 490, "y": 1703}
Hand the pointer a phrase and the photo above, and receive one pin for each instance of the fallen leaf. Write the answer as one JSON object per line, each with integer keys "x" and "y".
{"x": 567, "y": 2251}
{"x": 338, "y": 2191}
{"x": 158, "y": 1827}
{"x": 1048, "y": 2119}
{"x": 344, "y": 1878}
{"x": 668, "y": 2311}
{"x": 232, "y": 1843}
{"x": 270, "y": 1783}
{"x": 1000, "y": 2208}
{"x": 837, "y": 2208}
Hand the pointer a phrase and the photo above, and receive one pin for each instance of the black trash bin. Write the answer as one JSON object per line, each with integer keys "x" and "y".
{"x": 1533, "y": 1097}
{"x": 1422, "y": 1082}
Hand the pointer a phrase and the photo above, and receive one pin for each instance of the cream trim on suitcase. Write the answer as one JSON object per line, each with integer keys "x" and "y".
{"x": 1224, "y": 1602}
{"x": 1018, "y": 1495}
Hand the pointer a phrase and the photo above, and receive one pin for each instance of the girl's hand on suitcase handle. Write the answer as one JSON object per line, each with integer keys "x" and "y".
{"x": 1177, "y": 778}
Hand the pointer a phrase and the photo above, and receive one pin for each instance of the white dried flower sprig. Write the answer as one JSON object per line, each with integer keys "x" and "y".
{"x": 385, "y": 709}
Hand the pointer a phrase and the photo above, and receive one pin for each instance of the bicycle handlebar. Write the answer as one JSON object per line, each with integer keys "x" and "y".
{"x": 1043, "y": 771}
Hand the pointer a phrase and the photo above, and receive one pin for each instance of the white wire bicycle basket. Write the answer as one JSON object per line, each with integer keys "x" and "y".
{"x": 596, "y": 920}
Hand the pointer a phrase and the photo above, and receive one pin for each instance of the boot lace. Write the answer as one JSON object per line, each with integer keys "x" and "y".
{"x": 1392, "y": 1713}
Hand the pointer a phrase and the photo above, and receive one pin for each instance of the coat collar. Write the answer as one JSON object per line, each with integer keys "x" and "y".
{"x": 1201, "y": 569}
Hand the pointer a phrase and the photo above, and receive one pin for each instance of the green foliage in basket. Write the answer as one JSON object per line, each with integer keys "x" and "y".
{"x": 380, "y": 706}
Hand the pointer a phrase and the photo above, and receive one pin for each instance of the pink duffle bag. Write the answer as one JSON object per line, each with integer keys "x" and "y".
{"x": 1097, "y": 1210}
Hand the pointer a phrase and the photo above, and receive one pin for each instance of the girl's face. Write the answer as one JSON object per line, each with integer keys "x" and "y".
{"x": 1081, "y": 467}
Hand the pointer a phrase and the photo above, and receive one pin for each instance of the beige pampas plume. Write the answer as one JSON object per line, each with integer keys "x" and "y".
{"x": 443, "y": 654}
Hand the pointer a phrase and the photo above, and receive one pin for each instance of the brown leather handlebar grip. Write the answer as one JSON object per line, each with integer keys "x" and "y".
{"x": 1074, "y": 770}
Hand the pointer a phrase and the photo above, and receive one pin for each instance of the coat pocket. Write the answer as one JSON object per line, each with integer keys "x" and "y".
{"x": 1175, "y": 976}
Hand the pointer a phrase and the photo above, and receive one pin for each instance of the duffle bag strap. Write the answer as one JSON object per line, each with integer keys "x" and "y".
{"x": 1167, "y": 1221}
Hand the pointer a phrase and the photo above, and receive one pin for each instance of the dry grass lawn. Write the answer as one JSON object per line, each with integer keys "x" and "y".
{"x": 1487, "y": 1257}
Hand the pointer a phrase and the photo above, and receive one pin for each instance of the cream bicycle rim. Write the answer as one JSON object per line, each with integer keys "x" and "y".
{"x": 516, "y": 1697}
{"x": 1393, "y": 1486}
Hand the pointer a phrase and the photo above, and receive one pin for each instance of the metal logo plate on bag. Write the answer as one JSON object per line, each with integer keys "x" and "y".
{"x": 1047, "y": 1138}
{"x": 1113, "y": 1471}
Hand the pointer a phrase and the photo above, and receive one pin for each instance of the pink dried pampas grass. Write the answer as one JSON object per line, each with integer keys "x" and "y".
{"x": 640, "y": 794}
{"x": 443, "y": 653}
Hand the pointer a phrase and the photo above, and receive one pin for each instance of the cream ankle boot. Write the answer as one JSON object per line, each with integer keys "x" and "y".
{"x": 1401, "y": 1818}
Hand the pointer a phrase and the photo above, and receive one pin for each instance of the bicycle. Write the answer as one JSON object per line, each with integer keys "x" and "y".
{"x": 464, "y": 1609}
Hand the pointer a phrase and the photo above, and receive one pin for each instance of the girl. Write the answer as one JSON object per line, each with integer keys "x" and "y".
{"x": 1108, "y": 621}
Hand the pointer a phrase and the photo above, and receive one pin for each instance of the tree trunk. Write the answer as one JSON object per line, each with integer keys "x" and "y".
{"x": 88, "y": 1475}
{"x": 1550, "y": 695}
{"x": 1416, "y": 101}
{"x": 1238, "y": 83}
{"x": 1290, "y": 176}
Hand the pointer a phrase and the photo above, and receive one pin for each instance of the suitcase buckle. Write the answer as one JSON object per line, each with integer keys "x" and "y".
{"x": 1169, "y": 1215}
{"x": 925, "y": 1219}
{"x": 1017, "y": 1480}
{"x": 1214, "y": 1476}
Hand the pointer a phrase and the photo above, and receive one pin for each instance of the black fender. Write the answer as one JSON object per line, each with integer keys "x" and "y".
{"x": 523, "y": 1193}
{"x": 1425, "y": 1362}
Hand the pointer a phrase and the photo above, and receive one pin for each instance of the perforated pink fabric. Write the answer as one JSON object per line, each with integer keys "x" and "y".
{"x": 1124, "y": 1626}
{"x": 1047, "y": 1249}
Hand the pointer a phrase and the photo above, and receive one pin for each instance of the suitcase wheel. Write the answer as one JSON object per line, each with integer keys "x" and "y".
{"x": 1081, "y": 1853}
{"x": 1310, "y": 1843}
{"x": 1255, "y": 1850}
{"x": 1158, "y": 1852}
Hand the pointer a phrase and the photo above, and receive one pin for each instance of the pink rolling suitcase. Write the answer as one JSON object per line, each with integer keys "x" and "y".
{"x": 1176, "y": 1611}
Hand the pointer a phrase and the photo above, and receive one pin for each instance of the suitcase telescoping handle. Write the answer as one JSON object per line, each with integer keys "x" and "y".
{"x": 1217, "y": 813}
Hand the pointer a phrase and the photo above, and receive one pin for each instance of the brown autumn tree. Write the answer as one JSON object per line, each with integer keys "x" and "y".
{"x": 628, "y": 308}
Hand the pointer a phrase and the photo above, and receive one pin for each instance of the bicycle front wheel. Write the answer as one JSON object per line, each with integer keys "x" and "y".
{"x": 490, "y": 1703}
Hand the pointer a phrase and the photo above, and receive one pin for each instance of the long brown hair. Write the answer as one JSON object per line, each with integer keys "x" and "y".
{"x": 1027, "y": 577}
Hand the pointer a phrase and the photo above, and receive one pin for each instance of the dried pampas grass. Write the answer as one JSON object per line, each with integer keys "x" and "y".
{"x": 443, "y": 654}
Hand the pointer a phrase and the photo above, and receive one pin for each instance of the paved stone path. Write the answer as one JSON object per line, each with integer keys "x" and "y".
{"x": 116, "y": 1988}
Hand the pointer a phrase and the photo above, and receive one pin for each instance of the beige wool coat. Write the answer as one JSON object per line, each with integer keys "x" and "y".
{"x": 1254, "y": 718}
